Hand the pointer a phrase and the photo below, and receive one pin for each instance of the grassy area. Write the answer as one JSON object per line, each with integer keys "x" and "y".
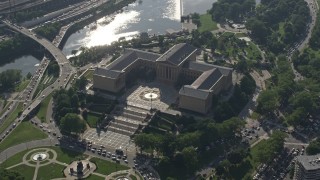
{"x": 14, "y": 159}
{"x": 120, "y": 175}
{"x": 107, "y": 167}
{"x": 92, "y": 119}
{"x": 42, "y": 113}
{"x": 45, "y": 81}
{"x": 94, "y": 177}
{"x": 5, "y": 105}
{"x": 241, "y": 35}
{"x": 23, "y": 133}
{"x": 253, "y": 52}
{"x": 7, "y": 122}
{"x": 22, "y": 85}
{"x": 26, "y": 171}
{"x": 207, "y": 24}
{"x": 133, "y": 177}
{"x": 67, "y": 156}
{"x": 281, "y": 29}
{"x": 50, "y": 171}
{"x": 89, "y": 74}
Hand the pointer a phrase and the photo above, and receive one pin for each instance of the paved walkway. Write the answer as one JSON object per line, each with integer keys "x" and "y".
{"x": 122, "y": 174}
{"x": 4, "y": 155}
{"x": 27, "y": 159}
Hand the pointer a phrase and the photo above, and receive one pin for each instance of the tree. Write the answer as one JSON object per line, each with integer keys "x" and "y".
{"x": 81, "y": 83}
{"x": 205, "y": 57}
{"x": 314, "y": 147}
{"x": 9, "y": 78}
{"x": 190, "y": 159}
{"x": 75, "y": 101}
{"x": 268, "y": 149}
{"x": 236, "y": 156}
{"x": 71, "y": 123}
{"x": 29, "y": 75}
{"x": 10, "y": 175}
{"x": 247, "y": 84}
{"x": 267, "y": 101}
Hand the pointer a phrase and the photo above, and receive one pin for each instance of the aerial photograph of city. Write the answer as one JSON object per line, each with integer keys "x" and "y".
{"x": 160, "y": 89}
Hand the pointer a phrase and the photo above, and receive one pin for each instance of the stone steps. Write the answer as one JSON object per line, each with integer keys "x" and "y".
{"x": 119, "y": 131}
{"x": 123, "y": 127}
{"x": 133, "y": 117}
{"x": 125, "y": 121}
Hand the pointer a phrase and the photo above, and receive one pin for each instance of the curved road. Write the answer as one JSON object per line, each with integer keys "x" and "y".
{"x": 65, "y": 70}
{"x": 313, "y": 6}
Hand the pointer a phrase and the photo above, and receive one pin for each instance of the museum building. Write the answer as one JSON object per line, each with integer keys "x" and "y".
{"x": 178, "y": 62}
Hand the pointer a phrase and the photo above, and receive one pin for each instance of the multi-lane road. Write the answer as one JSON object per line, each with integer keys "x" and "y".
{"x": 65, "y": 72}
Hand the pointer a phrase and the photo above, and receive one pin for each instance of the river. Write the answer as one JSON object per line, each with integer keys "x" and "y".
{"x": 152, "y": 16}
{"x": 25, "y": 63}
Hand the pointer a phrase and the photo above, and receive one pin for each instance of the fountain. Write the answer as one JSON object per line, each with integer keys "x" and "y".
{"x": 39, "y": 157}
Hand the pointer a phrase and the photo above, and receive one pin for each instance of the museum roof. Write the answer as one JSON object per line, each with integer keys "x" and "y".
{"x": 309, "y": 162}
{"x": 177, "y": 54}
{"x": 207, "y": 79}
{"x": 130, "y": 56}
{"x": 113, "y": 74}
{"x": 190, "y": 91}
{"x": 201, "y": 66}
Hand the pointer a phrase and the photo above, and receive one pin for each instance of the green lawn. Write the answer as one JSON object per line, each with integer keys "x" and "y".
{"x": 281, "y": 29}
{"x": 92, "y": 120}
{"x": 67, "y": 156}
{"x": 14, "y": 159}
{"x": 133, "y": 177}
{"x": 94, "y": 177}
{"x": 207, "y": 24}
{"x": 23, "y": 133}
{"x": 50, "y": 171}
{"x": 7, "y": 122}
{"x": 5, "y": 105}
{"x": 89, "y": 75}
{"x": 42, "y": 113}
{"x": 107, "y": 167}
{"x": 253, "y": 52}
{"x": 22, "y": 85}
{"x": 25, "y": 170}
{"x": 120, "y": 175}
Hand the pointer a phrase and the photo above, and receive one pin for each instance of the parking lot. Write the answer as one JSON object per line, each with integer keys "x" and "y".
{"x": 110, "y": 139}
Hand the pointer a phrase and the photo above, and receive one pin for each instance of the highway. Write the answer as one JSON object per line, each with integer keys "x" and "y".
{"x": 65, "y": 73}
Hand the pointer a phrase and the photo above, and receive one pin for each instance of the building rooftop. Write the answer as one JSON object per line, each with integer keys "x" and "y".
{"x": 309, "y": 162}
{"x": 207, "y": 79}
{"x": 190, "y": 91}
{"x": 177, "y": 54}
{"x": 201, "y": 66}
{"x": 130, "y": 56}
{"x": 113, "y": 74}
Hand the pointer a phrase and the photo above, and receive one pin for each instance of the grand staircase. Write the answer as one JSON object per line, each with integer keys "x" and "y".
{"x": 126, "y": 119}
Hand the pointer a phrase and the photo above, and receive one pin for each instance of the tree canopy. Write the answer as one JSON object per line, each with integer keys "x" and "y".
{"x": 10, "y": 175}
{"x": 9, "y": 78}
{"x": 314, "y": 147}
{"x": 72, "y": 123}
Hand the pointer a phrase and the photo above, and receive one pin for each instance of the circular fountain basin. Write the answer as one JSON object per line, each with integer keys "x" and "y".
{"x": 39, "y": 157}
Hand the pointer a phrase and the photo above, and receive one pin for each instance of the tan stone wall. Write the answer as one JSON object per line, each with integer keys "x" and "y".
{"x": 107, "y": 84}
{"x": 193, "y": 104}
